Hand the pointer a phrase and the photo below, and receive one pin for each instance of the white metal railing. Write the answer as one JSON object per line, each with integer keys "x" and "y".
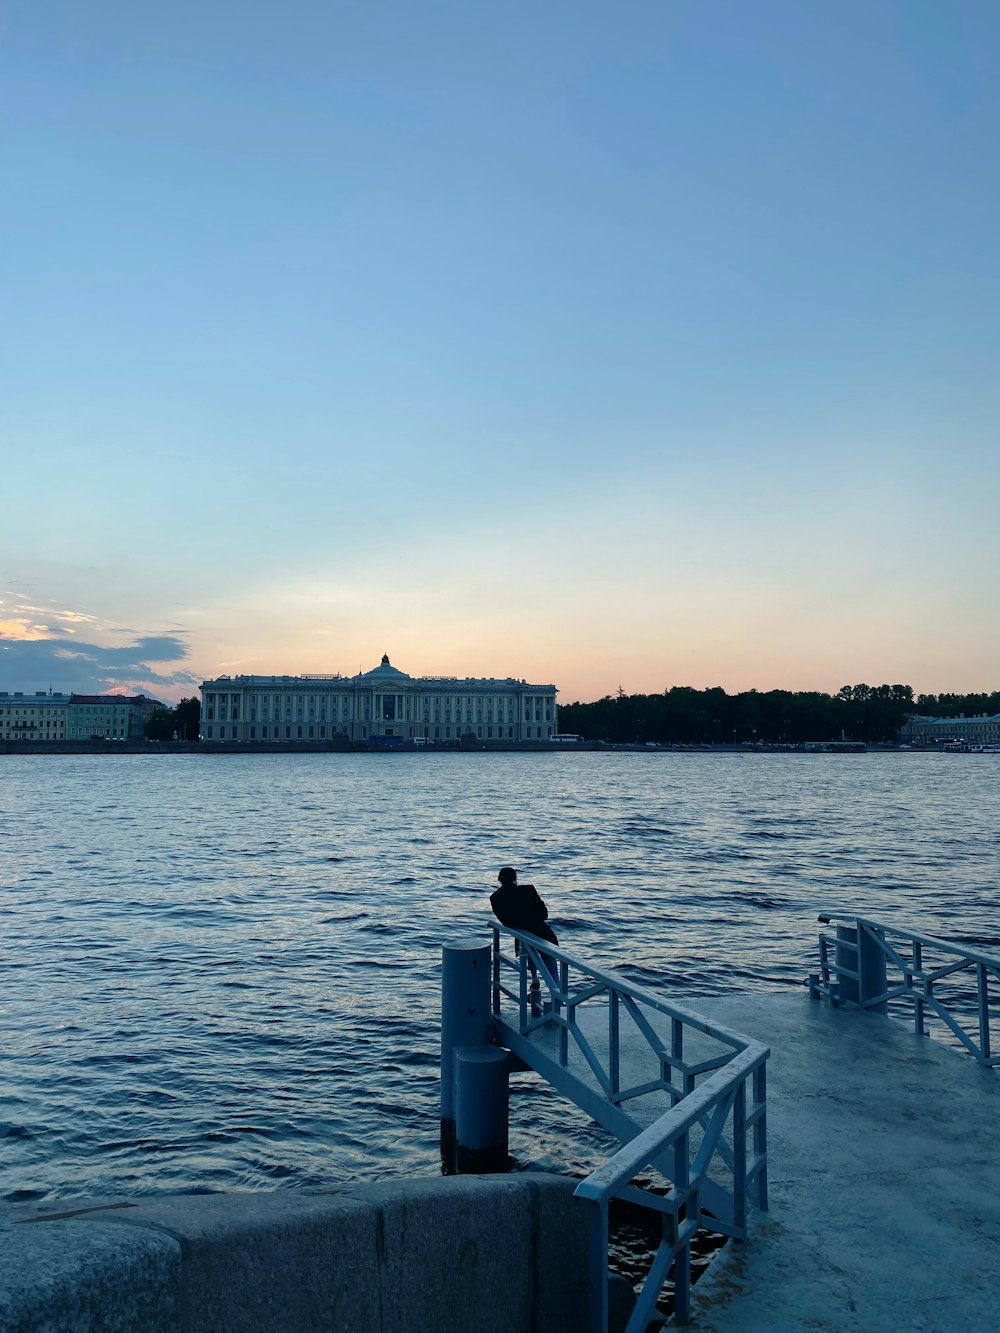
{"x": 879, "y": 965}
{"x": 713, "y": 1080}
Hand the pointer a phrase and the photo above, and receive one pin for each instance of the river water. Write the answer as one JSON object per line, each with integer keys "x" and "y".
{"x": 222, "y": 972}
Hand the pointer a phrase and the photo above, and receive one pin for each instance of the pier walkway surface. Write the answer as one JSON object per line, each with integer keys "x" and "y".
{"x": 884, "y": 1181}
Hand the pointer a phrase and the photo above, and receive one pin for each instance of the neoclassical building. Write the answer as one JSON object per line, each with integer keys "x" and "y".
{"x": 384, "y": 706}
{"x": 41, "y": 716}
{"x": 44, "y": 716}
{"x": 978, "y": 729}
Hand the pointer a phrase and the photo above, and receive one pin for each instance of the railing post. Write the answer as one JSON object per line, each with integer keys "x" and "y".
{"x": 597, "y": 1269}
{"x": 563, "y": 1029}
{"x": 496, "y": 971}
{"x": 465, "y": 1021}
{"x": 824, "y": 960}
{"x": 982, "y": 980}
{"x": 682, "y": 1254}
{"x": 760, "y": 1132}
{"x": 614, "y": 1067}
{"x": 740, "y": 1156}
{"x": 918, "y": 1003}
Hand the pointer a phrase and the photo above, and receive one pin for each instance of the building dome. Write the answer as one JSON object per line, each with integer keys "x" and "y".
{"x": 385, "y": 671}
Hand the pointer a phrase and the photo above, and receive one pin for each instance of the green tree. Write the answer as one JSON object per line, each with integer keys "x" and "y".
{"x": 160, "y": 725}
{"x": 187, "y": 719}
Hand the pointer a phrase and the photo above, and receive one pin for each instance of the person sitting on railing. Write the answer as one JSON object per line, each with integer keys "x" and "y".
{"x": 520, "y": 907}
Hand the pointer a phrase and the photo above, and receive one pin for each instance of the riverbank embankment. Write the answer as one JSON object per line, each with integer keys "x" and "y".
{"x": 485, "y": 747}
{"x": 499, "y": 1254}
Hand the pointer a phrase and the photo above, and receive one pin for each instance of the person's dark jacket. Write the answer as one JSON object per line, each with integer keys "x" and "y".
{"x": 519, "y": 907}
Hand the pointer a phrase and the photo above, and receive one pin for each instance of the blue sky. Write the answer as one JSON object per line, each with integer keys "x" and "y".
{"x": 640, "y": 345}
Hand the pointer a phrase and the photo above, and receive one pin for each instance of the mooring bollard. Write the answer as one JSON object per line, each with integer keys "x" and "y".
{"x": 481, "y": 1102}
{"x": 466, "y": 1020}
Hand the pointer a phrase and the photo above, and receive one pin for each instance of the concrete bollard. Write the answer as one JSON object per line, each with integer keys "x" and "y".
{"x": 871, "y": 965}
{"x": 868, "y": 961}
{"x": 481, "y": 1102}
{"x": 466, "y": 1020}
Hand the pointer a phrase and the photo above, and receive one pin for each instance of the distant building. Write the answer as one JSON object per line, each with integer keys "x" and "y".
{"x": 384, "y": 705}
{"x": 41, "y": 716}
{"x": 116, "y": 717}
{"x": 980, "y": 729}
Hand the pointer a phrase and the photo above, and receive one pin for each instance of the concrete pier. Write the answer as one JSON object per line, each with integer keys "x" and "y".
{"x": 884, "y": 1181}
{"x": 883, "y": 1174}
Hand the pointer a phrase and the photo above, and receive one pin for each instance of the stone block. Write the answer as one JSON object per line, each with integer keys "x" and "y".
{"x": 267, "y": 1263}
{"x": 457, "y": 1253}
{"x": 561, "y": 1229}
{"x": 64, "y": 1273}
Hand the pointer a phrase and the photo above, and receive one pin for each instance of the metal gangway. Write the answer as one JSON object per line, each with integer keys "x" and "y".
{"x": 684, "y": 1097}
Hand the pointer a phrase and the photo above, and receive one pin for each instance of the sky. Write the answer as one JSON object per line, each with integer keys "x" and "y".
{"x": 607, "y": 346}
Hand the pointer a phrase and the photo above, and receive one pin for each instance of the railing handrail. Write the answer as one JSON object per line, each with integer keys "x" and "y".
{"x": 601, "y": 1184}
{"x": 625, "y": 986}
{"x": 720, "y": 1100}
{"x": 878, "y": 945}
{"x": 934, "y": 941}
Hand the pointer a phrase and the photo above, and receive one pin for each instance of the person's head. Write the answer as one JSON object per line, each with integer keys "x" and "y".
{"x": 507, "y": 875}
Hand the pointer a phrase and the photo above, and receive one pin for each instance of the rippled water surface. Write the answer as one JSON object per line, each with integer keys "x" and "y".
{"x": 221, "y": 972}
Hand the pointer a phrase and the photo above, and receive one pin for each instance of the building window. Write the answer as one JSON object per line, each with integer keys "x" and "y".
{"x": 222, "y": 733}
{"x": 208, "y": 733}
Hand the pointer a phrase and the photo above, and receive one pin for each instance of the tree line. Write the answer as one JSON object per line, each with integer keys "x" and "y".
{"x": 686, "y": 716}
{"x": 180, "y": 723}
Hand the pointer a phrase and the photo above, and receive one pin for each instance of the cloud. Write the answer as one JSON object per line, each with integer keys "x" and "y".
{"x": 68, "y": 665}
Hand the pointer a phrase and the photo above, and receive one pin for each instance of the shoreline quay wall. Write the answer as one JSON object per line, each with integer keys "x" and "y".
{"x": 498, "y": 1254}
